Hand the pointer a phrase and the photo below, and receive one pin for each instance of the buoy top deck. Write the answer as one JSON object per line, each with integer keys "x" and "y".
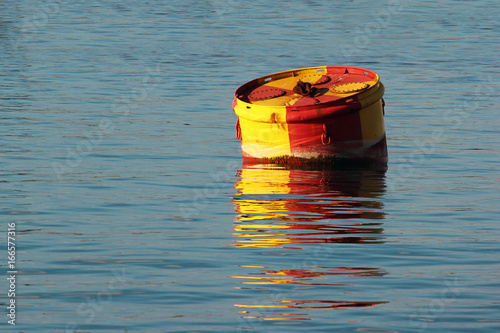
{"x": 306, "y": 87}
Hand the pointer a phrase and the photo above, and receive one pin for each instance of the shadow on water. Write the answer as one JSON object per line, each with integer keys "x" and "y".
{"x": 312, "y": 213}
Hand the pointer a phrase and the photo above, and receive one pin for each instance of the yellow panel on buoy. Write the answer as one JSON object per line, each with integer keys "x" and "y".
{"x": 372, "y": 122}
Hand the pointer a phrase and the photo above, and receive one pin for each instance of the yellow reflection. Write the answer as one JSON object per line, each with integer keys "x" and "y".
{"x": 254, "y": 181}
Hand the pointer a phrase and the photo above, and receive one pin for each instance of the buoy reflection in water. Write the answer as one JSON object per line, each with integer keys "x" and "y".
{"x": 283, "y": 209}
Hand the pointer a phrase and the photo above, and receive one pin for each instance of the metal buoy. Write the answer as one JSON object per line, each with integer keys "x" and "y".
{"x": 316, "y": 113}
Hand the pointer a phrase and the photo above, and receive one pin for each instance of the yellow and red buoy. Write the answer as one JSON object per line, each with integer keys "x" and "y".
{"x": 312, "y": 114}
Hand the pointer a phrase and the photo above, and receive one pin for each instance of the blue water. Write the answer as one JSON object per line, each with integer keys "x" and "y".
{"x": 135, "y": 213}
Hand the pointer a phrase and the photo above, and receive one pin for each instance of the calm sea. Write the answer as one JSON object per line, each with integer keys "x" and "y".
{"x": 133, "y": 209}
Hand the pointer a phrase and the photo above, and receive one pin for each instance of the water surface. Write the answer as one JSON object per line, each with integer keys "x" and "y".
{"x": 135, "y": 212}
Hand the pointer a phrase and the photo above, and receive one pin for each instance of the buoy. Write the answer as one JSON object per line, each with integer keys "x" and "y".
{"x": 311, "y": 115}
